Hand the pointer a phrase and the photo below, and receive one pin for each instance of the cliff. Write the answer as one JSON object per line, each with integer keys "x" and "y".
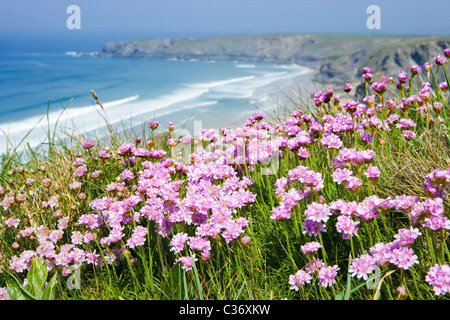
{"x": 338, "y": 58}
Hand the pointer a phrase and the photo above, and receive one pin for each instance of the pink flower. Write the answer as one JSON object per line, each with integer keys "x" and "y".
{"x": 7, "y": 202}
{"x": 403, "y": 257}
{"x": 141, "y": 153}
{"x": 199, "y": 243}
{"x": 299, "y": 279}
{"x": 406, "y": 237}
{"x": 56, "y": 235}
{"x": 447, "y": 52}
{"x": 78, "y": 162}
{"x": 327, "y": 276}
{"x": 415, "y": 69}
{"x": 443, "y": 86}
{"x": 127, "y": 175}
{"x": 172, "y": 142}
{"x": 372, "y": 173}
{"x": 126, "y": 148}
{"x": 353, "y": 184}
{"x": 17, "y": 264}
{"x": 348, "y": 87}
{"x": 402, "y": 76}
{"x": 81, "y": 170}
{"x": 258, "y": 116}
{"x": 178, "y": 241}
{"x": 379, "y": 87}
{"x": 75, "y": 186}
{"x": 438, "y": 276}
{"x": 233, "y": 229}
{"x": 314, "y": 265}
{"x": 87, "y": 144}
{"x": 104, "y": 154}
{"x": 280, "y": 213}
{"x": 337, "y": 206}
{"x": 404, "y": 202}
{"x": 12, "y": 222}
{"x": 153, "y": 124}
{"x": 310, "y": 247}
{"x": 303, "y": 153}
{"x": 332, "y": 141}
{"x": 186, "y": 139}
{"x": 246, "y": 241}
{"x": 362, "y": 266}
{"x": 93, "y": 258}
{"x": 351, "y": 106}
{"x": 347, "y": 226}
{"x": 138, "y": 237}
{"x": 77, "y": 237}
{"x": 27, "y": 232}
{"x": 4, "y": 294}
{"x": 437, "y": 222}
{"x": 63, "y": 223}
{"x": 318, "y": 212}
{"x": 408, "y": 134}
{"x": 312, "y": 227}
{"x": 440, "y": 60}
{"x": 382, "y": 253}
{"x": 53, "y": 202}
{"x": 341, "y": 175}
{"x": 187, "y": 262}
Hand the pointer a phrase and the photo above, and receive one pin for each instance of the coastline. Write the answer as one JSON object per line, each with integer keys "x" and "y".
{"x": 183, "y": 109}
{"x": 207, "y": 117}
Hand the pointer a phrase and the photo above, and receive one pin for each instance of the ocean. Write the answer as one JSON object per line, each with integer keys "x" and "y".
{"x": 40, "y": 79}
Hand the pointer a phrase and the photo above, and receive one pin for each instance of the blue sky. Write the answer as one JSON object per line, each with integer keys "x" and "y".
{"x": 172, "y": 18}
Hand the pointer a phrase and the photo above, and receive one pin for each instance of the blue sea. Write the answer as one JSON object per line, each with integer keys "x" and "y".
{"x": 41, "y": 77}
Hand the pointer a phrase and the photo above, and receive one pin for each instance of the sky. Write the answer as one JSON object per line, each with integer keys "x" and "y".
{"x": 193, "y": 18}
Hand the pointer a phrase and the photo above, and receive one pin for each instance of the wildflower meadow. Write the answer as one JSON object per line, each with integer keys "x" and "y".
{"x": 336, "y": 197}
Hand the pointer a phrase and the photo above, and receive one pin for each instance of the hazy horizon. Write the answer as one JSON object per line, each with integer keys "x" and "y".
{"x": 203, "y": 18}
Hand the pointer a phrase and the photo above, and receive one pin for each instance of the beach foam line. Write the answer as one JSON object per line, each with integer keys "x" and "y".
{"x": 27, "y": 124}
{"x": 245, "y": 66}
{"x": 246, "y": 88}
{"x": 214, "y": 84}
{"x": 136, "y": 110}
{"x": 116, "y": 111}
{"x": 72, "y": 53}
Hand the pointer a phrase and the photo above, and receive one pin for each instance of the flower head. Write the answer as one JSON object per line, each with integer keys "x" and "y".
{"x": 372, "y": 173}
{"x": 327, "y": 276}
{"x": 415, "y": 69}
{"x": 299, "y": 279}
{"x": 438, "y": 276}
{"x": 153, "y": 124}
{"x": 403, "y": 257}
{"x": 379, "y": 87}
{"x": 87, "y": 144}
{"x": 362, "y": 266}
{"x": 318, "y": 212}
{"x": 347, "y": 226}
{"x": 310, "y": 247}
{"x": 348, "y": 87}
{"x": 440, "y": 60}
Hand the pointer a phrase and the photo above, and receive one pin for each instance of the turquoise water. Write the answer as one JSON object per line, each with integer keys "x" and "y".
{"x": 131, "y": 90}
